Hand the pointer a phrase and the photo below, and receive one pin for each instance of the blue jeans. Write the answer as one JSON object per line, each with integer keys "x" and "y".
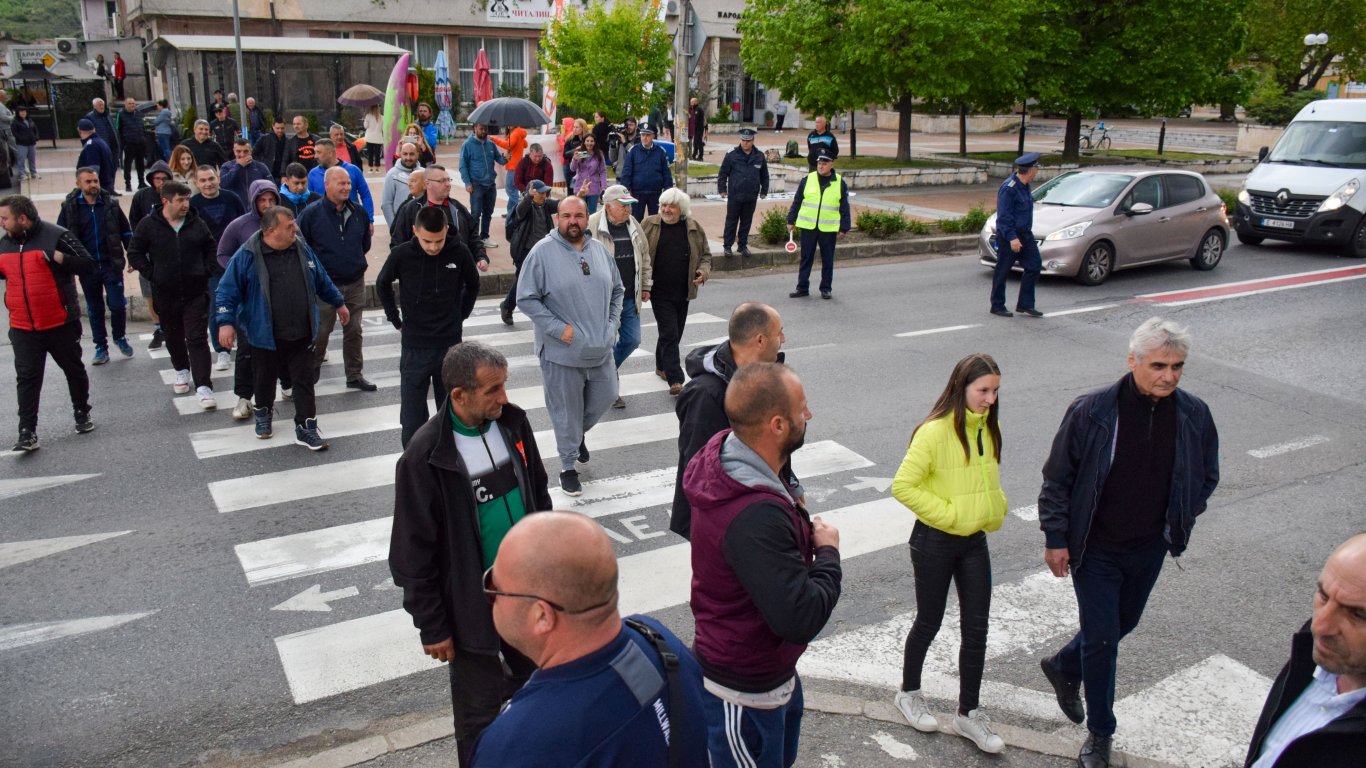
{"x": 213, "y": 316}
{"x": 1032, "y": 262}
{"x": 104, "y": 287}
{"x": 646, "y": 204}
{"x": 514, "y": 196}
{"x": 482, "y": 202}
{"x": 741, "y": 737}
{"x": 810, "y": 240}
{"x": 1112, "y": 589}
{"x": 628, "y": 335}
{"x": 592, "y": 202}
{"x": 29, "y": 152}
{"x": 164, "y": 142}
{"x": 419, "y": 371}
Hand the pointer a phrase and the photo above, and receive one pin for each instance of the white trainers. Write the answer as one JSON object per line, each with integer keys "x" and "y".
{"x": 224, "y": 360}
{"x": 206, "y": 399}
{"x": 242, "y": 411}
{"x": 287, "y": 394}
{"x": 913, "y": 707}
{"x": 975, "y": 727}
{"x": 182, "y": 382}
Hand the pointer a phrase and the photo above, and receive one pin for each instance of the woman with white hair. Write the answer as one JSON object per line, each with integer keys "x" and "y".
{"x": 678, "y": 261}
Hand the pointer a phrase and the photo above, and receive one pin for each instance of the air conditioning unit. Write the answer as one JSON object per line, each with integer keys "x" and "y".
{"x": 672, "y": 8}
{"x": 68, "y": 46}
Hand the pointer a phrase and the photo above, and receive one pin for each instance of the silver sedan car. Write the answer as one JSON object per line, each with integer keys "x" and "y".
{"x": 1090, "y": 223}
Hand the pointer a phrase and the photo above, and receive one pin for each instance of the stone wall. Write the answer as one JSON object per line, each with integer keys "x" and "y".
{"x": 890, "y": 120}
{"x": 1252, "y": 137}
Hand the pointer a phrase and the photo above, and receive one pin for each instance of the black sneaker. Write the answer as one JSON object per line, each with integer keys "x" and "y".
{"x": 307, "y": 435}
{"x": 619, "y": 404}
{"x": 506, "y": 313}
{"x": 826, "y": 295}
{"x": 263, "y": 425}
{"x": 158, "y": 339}
{"x": 362, "y": 384}
{"x": 1031, "y": 312}
{"x": 1002, "y": 312}
{"x": 1067, "y": 692}
{"x": 28, "y": 441}
{"x": 727, "y": 253}
{"x": 744, "y": 252}
{"x": 798, "y": 295}
{"x": 1095, "y": 753}
{"x": 569, "y": 482}
{"x": 83, "y": 422}
{"x": 583, "y": 452}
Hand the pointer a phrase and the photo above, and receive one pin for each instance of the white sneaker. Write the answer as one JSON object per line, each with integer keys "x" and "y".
{"x": 287, "y": 394}
{"x": 976, "y": 728}
{"x": 242, "y": 411}
{"x": 206, "y": 399}
{"x": 224, "y": 360}
{"x": 182, "y": 382}
{"x": 490, "y": 243}
{"x": 913, "y": 707}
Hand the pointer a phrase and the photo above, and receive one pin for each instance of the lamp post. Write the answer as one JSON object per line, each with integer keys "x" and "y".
{"x": 1312, "y": 42}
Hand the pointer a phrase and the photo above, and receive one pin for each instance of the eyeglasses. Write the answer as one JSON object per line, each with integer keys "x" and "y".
{"x": 493, "y": 594}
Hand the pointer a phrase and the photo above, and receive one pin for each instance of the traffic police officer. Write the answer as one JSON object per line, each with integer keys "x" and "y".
{"x": 745, "y": 172}
{"x": 820, "y": 209}
{"x": 1015, "y": 238}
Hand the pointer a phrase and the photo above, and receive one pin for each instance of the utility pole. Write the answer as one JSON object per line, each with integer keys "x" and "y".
{"x": 241, "y": 78}
{"x": 681, "y": 95}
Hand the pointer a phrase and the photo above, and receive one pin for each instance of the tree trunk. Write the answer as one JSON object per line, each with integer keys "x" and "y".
{"x": 962, "y": 130}
{"x": 1071, "y": 137}
{"x": 1228, "y": 111}
{"x": 903, "y": 128}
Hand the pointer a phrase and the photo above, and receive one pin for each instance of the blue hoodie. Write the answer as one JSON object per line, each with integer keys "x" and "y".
{"x": 360, "y": 190}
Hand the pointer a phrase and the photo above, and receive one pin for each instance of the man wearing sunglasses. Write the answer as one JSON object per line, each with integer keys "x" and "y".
{"x": 465, "y": 479}
{"x": 602, "y": 694}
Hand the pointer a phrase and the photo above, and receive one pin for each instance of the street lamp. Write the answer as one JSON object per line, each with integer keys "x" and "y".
{"x": 1312, "y": 41}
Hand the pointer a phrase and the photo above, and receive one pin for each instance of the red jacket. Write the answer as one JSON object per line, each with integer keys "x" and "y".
{"x": 120, "y": 69}
{"x": 527, "y": 170}
{"x": 39, "y": 292}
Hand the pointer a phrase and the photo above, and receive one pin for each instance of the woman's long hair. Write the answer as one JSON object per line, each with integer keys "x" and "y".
{"x": 953, "y": 400}
{"x": 178, "y": 152}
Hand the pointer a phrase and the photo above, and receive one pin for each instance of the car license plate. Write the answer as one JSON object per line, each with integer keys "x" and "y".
{"x": 1278, "y": 223}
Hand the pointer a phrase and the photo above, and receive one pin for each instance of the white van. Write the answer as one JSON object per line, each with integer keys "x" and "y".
{"x": 1308, "y": 188}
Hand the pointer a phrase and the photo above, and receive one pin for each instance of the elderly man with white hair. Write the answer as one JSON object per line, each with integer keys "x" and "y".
{"x": 1132, "y": 466}
{"x": 679, "y": 260}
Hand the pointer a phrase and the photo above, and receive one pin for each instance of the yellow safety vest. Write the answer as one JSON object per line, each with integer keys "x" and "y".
{"x": 820, "y": 211}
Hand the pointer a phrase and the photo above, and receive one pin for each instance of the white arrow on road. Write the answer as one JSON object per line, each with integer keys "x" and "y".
{"x": 880, "y": 483}
{"x": 314, "y": 599}
{"x": 22, "y": 485}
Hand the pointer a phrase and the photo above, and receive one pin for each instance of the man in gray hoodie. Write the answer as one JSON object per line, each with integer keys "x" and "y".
{"x": 571, "y": 290}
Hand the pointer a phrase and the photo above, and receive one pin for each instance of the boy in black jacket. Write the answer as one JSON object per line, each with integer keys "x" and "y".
{"x": 439, "y": 288}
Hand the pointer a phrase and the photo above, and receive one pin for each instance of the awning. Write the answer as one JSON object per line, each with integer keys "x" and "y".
{"x": 323, "y": 45}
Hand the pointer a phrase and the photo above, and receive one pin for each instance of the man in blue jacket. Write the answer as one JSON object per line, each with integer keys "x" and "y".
{"x": 96, "y": 153}
{"x": 326, "y": 153}
{"x": 93, "y": 216}
{"x": 1131, "y": 467}
{"x": 338, "y": 230}
{"x": 1015, "y": 238}
{"x": 271, "y": 289}
{"x": 478, "y": 156}
{"x": 646, "y": 173}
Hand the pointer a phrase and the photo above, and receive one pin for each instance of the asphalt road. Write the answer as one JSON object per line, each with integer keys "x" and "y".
{"x": 154, "y": 642}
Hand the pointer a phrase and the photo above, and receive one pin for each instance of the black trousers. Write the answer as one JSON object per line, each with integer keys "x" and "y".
{"x": 646, "y": 204}
{"x": 185, "y": 323}
{"x": 939, "y": 558}
{"x": 511, "y": 301}
{"x": 671, "y": 315}
{"x": 374, "y": 154}
{"x": 480, "y": 683}
{"x": 244, "y": 376}
{"x": 741, "y": 214}
{"x": 31, "y": 350}
{"x": 419, "y": 376}
{"x": 134, "y": 154}
{"x": 296, "y": 357}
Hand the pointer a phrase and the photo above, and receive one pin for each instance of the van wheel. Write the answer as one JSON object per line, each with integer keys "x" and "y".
{"x": 1249, "y": 239}
{"x": 1209, "y": 253}
{"x": 1097, "y": 264}
{"x": 1357, "y": 247}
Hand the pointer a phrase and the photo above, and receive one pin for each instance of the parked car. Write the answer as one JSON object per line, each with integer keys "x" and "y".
{"x": 1090, "y": 223}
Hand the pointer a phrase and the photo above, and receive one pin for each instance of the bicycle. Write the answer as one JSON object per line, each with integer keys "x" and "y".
{"x": 1087, "y": 139}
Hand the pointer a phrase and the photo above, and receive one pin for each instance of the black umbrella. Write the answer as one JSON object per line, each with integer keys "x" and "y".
{"x": 509, "y": 111}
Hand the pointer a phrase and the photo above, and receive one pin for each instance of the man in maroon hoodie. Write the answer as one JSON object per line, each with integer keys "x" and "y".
{"x": 766, "y": 577}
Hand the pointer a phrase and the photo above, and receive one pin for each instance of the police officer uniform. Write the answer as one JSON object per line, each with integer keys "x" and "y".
{"x": 1015, "y": 220}
{"x": 744, "y": 179}
{"x": 820, "y": 211}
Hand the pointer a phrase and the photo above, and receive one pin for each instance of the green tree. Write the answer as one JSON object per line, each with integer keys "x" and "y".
{"x": 38, "y": 19}
{"x": 1156, "y": 56}
{"x": 1276, "y": 39}
{"x": 601, "y": 57}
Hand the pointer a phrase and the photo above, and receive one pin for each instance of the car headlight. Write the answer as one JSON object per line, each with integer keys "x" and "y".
{"x": 1070, "y": 233}
{"x": 1244, "y": 197}
{"x": 1340, "y": 197}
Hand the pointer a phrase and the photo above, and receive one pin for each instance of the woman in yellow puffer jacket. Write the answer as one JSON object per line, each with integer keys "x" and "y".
{"x": 951, "y": 480}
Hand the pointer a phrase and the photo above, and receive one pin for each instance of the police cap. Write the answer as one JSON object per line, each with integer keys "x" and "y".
{"x": 1027, "y": 159}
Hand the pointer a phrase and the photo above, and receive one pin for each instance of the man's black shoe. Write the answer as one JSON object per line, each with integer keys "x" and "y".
{"x": 1068, "y": 693}
{"x": 583, "y": 452}
{"x": 1002, "y": 312}
{"x": 727, "y": 253}
{"x": 1031, "y": 312}
{"x": 1095, "y": 753}
{"x": 826, "y": 295}
{"x": 506, "y": 313}
{"x": 28, "y": 441}
{"x": 362, "y": 385}
{"x": 158, "y": 338}
{"x": 569, "y": 483}
{"x": 798, "y": 295}
{"x": 83, "y": 422}
{"x": 744, "y": 252}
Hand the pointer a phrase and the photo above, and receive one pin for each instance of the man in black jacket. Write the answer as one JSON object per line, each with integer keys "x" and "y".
{"x": 144, "y": 201}
{"x": 224, "y": 128}
{"x": 1315, "y": 714}
{"x": 755, "y": 335}
{"x": 96, "y": 219}
{"x": 742, "y": 181}
{"x": 206, "y": 151}
{"x": 270, "y": 149}
{"x": 531, "y": 220}
{"x": 462, "y": 227}
{"x": 439, "y": 287}
{"x": 133, "y": 141}
{"x": 468, "y": 475}
{"x": 175, "y": 250}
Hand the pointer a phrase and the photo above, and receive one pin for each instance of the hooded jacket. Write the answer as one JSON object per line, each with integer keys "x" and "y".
{"x": 297, "y": 203}
{"x": 435, "y": 552}
{"x": 437, "y": 292}
{"x": 101, "y": 227}
{"x": 147, "y": 198}
{"x": 177, "y": 263}
{"x": 341, "y": 238}
{"x": 761, "y": 589}
{"x": 528, "y": 224}
{"x": 243, "y": 297}
{"x": 561, "y": 285}
{"x": 395, "y": 192}
{"x": 240, "y": 229}
{"x": 39, "y": 293}
{"x": 947, "y": 490}
{"x": 360, "y": 188}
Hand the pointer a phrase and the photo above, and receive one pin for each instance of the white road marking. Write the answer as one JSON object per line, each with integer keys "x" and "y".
{"x": 227, "y": 399}
{"x": 795, "y": 350}
{"x": 1280, "y": 448}
{"x": 19, "y": 486}
{"x": 19, "y": 635}
{"x": 929, "y": 331}
{"x": 16, "y": 552}
{"x": 345, "y": 546}
{"x": 1079, "y": 310}
{"x": 708, "y": 342}
{"x": 893, "y": 748}
{"x": 1028, "y": 514}
{"x": 693, "y": 319}
{"x": 314, "y": 599}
